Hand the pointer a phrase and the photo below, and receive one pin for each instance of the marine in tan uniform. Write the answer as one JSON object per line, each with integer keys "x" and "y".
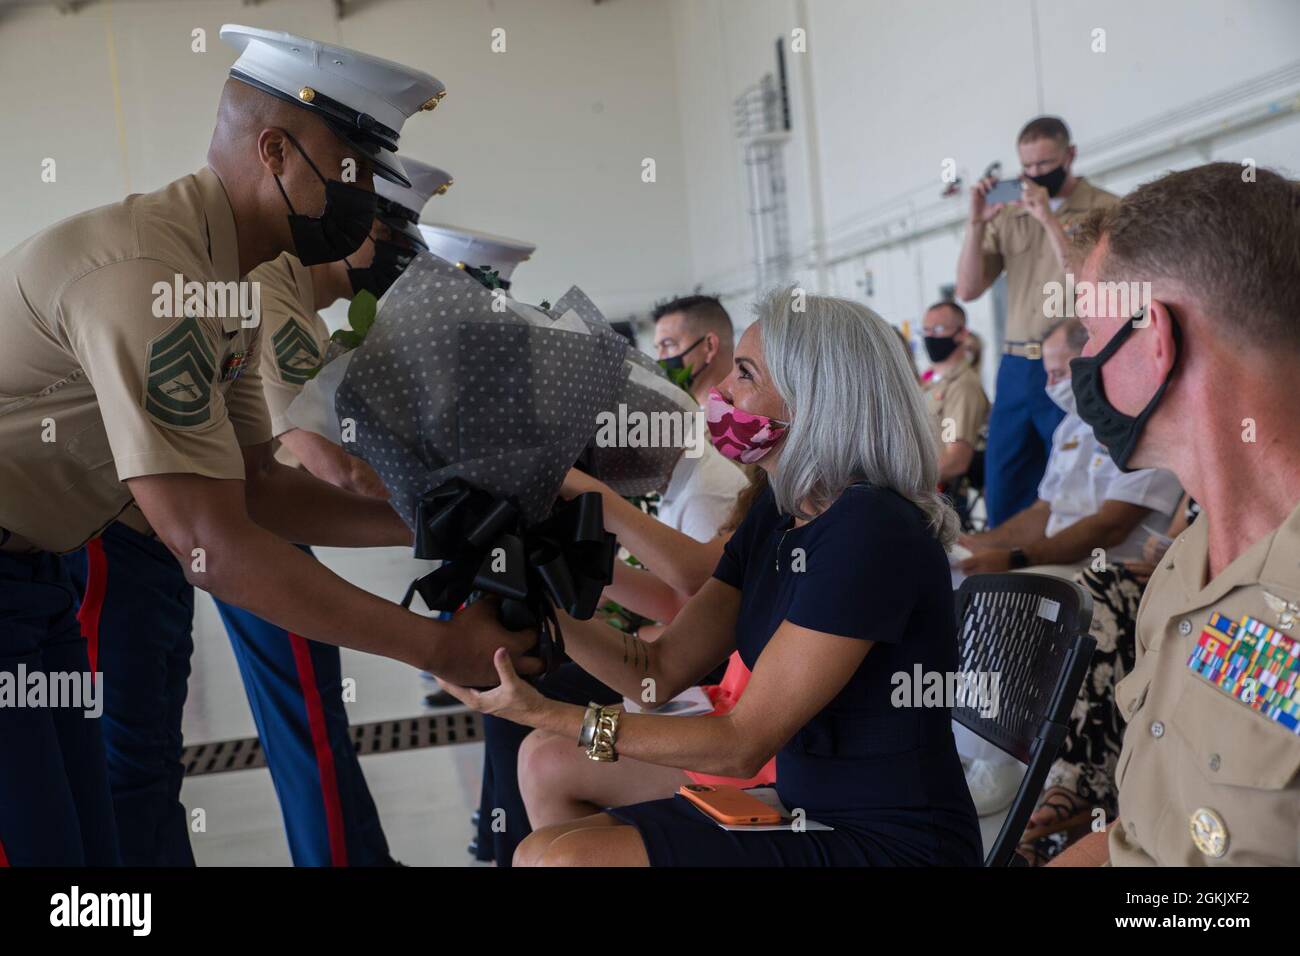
{"x": 111, "y": 390}
{"x": 954, "y": 394}
{"x": 1208, "y": 770}
{"x": 329, "y": 815}
{"x": 1029, "y": 241}
{"x": 297, "y": 334}
{"x": 298, "y": 338}
{"x": 104, "y": 378}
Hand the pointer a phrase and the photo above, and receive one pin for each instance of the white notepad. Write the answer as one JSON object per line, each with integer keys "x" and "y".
{"x": 691, "y": 702}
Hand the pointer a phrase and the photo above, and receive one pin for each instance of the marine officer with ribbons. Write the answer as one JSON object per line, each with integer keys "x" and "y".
{"x": 1195, "y": 382}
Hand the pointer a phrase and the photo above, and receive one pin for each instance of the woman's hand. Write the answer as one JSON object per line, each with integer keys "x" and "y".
{"x": 514, "y": 699}
{"x": 578, "y": 483}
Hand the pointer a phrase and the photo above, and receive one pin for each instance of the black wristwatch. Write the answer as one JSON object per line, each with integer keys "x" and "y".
{"x": 1019, "y": 559}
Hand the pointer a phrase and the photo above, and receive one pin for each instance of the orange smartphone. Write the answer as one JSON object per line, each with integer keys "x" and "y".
{"x": 729, "y": 805}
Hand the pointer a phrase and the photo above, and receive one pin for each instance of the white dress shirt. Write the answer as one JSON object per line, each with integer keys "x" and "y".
{"x": 1080, "y": 476}
{"x": 701, "y": 494}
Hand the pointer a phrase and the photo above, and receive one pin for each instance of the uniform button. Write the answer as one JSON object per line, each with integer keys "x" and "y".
{"x": 1157, "y": 729}
{"x": 1184, "y": 627}
{"x": 1214, "y": 761}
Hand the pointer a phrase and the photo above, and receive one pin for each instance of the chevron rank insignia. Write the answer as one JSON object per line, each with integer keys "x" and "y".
{"x": 179, "y": 378}
{"x": 296, "y": 352}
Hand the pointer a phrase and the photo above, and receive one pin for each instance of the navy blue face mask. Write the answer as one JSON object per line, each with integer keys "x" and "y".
{"x": 1117, "y": 431}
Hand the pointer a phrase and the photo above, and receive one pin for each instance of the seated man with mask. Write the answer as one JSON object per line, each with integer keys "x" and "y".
{"x": 1086, "y": 508}
{"x": 954, "y": 397}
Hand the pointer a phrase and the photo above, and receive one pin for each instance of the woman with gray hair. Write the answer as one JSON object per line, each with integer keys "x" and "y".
{"x": 836, "y": 592}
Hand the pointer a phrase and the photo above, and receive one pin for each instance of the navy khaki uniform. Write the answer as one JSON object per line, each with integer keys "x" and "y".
{"x": 1209, "y": 774}
{"x": 957, "y": 401}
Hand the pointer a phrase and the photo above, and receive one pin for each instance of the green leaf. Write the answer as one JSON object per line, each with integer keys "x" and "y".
{"x": 347, "y": 338}
{"x": 622, "y": 619}
{"x": 361, "y": 313}
{"x": 681, "y": 377}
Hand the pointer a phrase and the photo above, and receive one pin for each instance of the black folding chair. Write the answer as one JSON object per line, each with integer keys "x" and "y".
{"x": 970, "y": 488}
{"x": 1032, "y": 631}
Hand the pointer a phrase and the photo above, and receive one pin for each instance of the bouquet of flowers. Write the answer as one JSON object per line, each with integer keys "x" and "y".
{"x": 472, "y": 407}
{"x": 639, "y": 439}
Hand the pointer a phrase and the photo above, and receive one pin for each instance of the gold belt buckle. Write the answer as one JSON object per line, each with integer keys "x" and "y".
{"x": 1033, "y": 350}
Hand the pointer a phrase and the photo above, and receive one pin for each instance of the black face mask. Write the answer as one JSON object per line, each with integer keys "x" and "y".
{"x": 939, "y": 347}
{"x": 1052, "y": 180}
{"x": 340, "y": 229}
{"x": 390, "y": 261}
{"x": 677, "y": 361}
{"x": 1117, "y": 431}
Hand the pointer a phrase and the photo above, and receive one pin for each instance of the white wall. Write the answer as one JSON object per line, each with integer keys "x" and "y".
{"x": 545, "y": 141}
{"x": 899, "y": 87}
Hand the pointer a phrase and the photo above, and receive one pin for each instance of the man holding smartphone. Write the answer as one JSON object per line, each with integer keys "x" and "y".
{"x": 1029, "y": 239}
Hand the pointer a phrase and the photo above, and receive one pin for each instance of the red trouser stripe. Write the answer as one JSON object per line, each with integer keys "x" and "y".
{"x": 329, "y": 784}
{"x": 4, "y": 860}
{"x": 92, "y": 602}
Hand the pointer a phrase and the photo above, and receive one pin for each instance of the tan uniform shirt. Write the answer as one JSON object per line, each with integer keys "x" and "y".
{"x": 296, "y": 337}
{"x": 958, "y": 396}
{"x": 1016, "y": 241}
{"x": 103, "y": 377}
{"x": 1205, "y": 777}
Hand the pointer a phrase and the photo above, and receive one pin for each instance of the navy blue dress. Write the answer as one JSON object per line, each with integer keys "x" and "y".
{"x": 888, "y": 779}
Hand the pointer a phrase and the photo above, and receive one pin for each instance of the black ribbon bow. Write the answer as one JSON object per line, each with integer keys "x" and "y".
{"x": 564, "y": 561}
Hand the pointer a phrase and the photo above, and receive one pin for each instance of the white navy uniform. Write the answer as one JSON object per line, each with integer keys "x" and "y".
{"x": 1081, "y": 476}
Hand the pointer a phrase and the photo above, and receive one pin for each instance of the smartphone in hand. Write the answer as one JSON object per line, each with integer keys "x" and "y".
{"x": 1004, "y": 191}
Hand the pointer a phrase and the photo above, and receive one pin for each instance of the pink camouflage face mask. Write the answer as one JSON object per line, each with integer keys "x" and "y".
{"x": 740, "y": 435}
